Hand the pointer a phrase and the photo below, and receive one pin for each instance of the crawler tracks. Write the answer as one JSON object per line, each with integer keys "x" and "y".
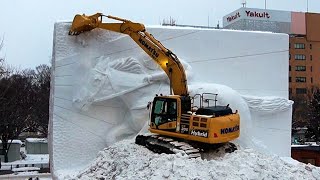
{"x": 161, "y": 144}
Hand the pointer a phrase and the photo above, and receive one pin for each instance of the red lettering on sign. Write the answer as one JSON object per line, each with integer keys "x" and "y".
{"x": 231, "y": 18}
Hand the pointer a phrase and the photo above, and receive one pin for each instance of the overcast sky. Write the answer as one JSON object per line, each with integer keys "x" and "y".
{"x": 27, "y": 25}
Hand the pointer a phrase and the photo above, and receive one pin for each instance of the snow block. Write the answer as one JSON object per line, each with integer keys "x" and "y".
{"x": 102, "y": 82}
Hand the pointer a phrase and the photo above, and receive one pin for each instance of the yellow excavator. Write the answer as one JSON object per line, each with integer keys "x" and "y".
{"x": 174, "y": 118}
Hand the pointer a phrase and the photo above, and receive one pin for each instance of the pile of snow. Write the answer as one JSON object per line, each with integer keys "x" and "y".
{"x": 126, "y": 160}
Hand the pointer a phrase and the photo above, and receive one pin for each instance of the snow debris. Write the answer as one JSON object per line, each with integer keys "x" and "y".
{"x": 126, "y": 160}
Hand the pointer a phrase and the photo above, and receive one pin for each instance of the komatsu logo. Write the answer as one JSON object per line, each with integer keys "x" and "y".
{"x": 229, "y": 130}
{"x": 200, "y": 133}
{"x": 150, "y": 49}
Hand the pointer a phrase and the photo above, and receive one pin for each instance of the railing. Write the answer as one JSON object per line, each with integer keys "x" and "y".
{"x": 7, "y": 168}
{"x": 204, "y": 98}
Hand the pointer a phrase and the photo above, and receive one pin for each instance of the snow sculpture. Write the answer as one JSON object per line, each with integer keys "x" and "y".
{"x": 102, "y": 82}
{"x": 136, "y": 85}
{"x": 134, "y": 82}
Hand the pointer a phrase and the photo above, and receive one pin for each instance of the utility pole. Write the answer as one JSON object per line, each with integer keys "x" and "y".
{"x": 307, "y": 5}
{"x": 265, "y": 4}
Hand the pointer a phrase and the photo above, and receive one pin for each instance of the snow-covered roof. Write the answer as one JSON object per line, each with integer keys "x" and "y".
{"x": 37, "y": 140}
{"x": 26, "y": 169}
{"x": 304, "y": 145}
{"x": 15, "y": 141}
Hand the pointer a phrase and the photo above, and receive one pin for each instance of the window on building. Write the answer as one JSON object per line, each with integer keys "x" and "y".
{"x": 289, "y": 56}
{"x": 299, "y": 46}
{"x": 299, "y": 57}
{"x": 290, "y": 90}
{"x": 300, "y": 68}
{"x": 311, "y": 68}
{"x": 301, "y": 79}
{"x": 289, "y": 68}
{"x": 301, "y": 91}
{"x": 289, "y": 45}
{"x": 310, "y": 46}
{"x": 310, "y": 57}
{"x": 289, "y": 79}
{"x": 311, "y": 80}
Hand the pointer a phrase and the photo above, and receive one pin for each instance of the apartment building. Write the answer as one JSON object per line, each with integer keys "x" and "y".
{"x": 304, "y": 41}
{"x": 304, "y": 57}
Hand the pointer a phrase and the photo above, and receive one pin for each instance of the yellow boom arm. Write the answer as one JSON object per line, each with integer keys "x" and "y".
{"x": 167, "y": 60}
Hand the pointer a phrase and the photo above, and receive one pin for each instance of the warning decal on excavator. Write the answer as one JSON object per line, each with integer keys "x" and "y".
{"x": 198, "y": 132}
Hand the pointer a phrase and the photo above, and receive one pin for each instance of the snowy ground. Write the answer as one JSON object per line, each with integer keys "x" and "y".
{"x": 126, "y": 160}
{"x": 23, "y": 172}
{"x": 39, "y": 160}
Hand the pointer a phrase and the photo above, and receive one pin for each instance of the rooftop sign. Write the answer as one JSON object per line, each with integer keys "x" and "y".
{"x": 257, "y": 14}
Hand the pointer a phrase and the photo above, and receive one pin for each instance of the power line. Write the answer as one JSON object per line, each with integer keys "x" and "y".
{"x": 163, "y": 40}
{"x": 233, "y": 57}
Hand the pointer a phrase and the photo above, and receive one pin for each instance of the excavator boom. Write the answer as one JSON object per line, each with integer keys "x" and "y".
{"x": 167, "y": 60}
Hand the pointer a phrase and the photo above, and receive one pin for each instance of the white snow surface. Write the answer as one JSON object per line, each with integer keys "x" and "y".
{"x": 126, "y": 160}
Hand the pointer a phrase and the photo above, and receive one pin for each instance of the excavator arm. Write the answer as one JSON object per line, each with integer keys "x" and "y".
{"x": 167, "y": 60}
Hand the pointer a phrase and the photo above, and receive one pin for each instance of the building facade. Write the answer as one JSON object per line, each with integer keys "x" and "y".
{"x": 304, "y": 41}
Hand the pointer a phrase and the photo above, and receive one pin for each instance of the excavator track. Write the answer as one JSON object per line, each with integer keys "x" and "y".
{"x": 161, "y": 144}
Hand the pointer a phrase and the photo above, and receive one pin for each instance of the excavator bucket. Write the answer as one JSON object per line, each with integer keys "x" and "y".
{"x": 82, "y": 23}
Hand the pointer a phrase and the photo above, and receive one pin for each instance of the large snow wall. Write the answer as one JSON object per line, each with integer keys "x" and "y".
{"x": 86, "y": 110}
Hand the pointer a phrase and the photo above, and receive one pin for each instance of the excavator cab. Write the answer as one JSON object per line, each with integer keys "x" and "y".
{"x": 164, "y": 113}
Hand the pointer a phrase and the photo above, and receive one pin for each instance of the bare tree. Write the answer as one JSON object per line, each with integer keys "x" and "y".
{"x": 24, "y": 102}
{"x": 314, "y": 116}
{"x": 299, "y": 111}
{"x": 1, "y": 60}
{"x": 43, "y": 96}
{"x": 14, "y": 109}
{"x": 40, "y": 95}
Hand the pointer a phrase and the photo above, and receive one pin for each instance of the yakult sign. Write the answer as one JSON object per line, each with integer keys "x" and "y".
{"x": 256, "y": 14}
{"x": 233, "y": 17}
{"x": 252, "y": 14}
